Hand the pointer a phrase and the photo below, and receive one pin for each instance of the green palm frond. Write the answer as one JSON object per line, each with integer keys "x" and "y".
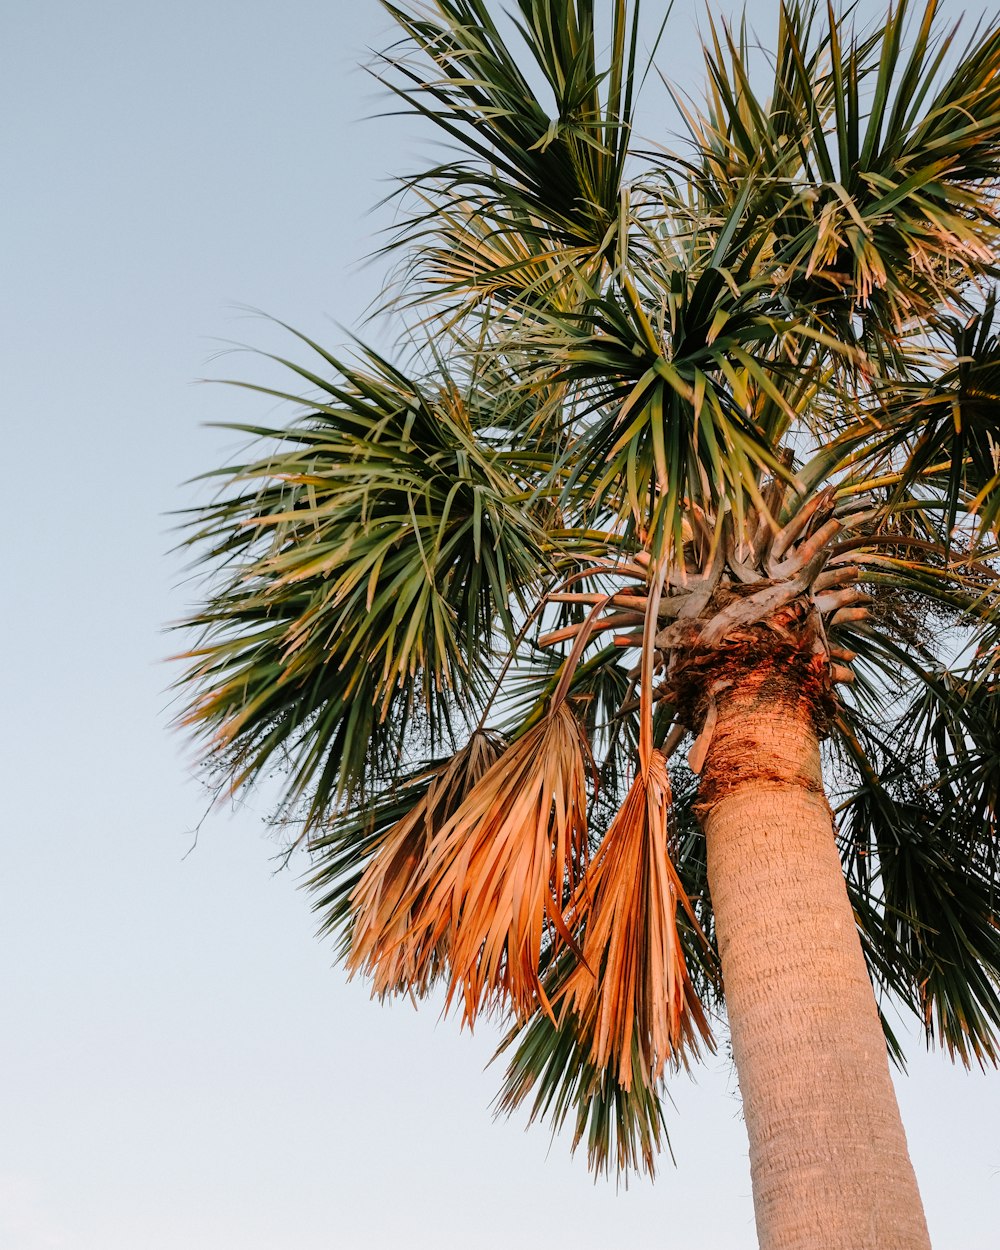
{"x": 922, "y": 877}
{"x": 370, "y": 564}
{"x": 874, "y": 168}
{"x": 740, "y": 136}
{"x": 949, "y": 424}
{"x": 551, "y": 169}
{"x": 550, "y": 1071}
{"x": 668, "y": 402}
{"x": 957, "y": 717}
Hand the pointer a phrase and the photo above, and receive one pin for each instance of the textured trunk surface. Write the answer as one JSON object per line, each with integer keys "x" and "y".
{"x": 828, "y": 1154}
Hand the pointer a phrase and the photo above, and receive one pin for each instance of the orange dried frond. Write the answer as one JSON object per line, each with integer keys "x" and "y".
{"x": 387, "y": 942}
{"x": 499, "y": 875}
{"x": 631, "y": 993}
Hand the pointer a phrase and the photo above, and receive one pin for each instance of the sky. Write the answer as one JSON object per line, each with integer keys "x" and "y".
{"x": 180, "y": 1064}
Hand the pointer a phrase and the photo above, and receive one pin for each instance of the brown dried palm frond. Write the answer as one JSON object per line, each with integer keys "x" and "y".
{"x": 386, "y": 943}
{"x": 498, "y": 876}
{"x": 631, "y": 993}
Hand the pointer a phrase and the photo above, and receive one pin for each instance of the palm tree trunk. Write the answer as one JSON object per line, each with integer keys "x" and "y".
{"x": 828, "y": 1154}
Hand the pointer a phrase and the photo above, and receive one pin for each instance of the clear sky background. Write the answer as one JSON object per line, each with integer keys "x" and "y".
{"x": 180, "y": 1067}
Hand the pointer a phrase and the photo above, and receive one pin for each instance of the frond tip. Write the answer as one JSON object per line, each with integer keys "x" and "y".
{"x": 624, "y": 1130}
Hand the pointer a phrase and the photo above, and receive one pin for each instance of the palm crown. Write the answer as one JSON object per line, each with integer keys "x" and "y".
{"x": 667, "y": 418}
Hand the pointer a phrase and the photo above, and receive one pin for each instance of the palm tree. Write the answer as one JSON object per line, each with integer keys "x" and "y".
{"x": 628, "y": 647}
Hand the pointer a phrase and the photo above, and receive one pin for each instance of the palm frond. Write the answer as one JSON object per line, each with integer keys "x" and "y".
{"x": 385, "y": 902}
{"x": 368, "y": 564}
{"x": 925, "y": 898}
{"x": 950, "y": 425}
{"x": 880, "y": 202}
{"x": 672, "y": 411}
{"x": 630, "y": 993}
{"x": 551, "y": 169}
{"x": 342, "y": 848}
{"x": 494, "y": 879}
{"x": 956, "y": 716}
{"x": 624, "y": 1129}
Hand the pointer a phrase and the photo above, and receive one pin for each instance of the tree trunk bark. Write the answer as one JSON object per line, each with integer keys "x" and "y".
{"x": 828, "y": 1155}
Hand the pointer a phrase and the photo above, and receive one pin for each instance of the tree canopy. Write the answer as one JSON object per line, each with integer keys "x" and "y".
{"x": 654, "y": 397}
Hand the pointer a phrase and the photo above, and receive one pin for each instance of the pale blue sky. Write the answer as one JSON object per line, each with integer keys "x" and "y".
{"x": 182, "y": 1070}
